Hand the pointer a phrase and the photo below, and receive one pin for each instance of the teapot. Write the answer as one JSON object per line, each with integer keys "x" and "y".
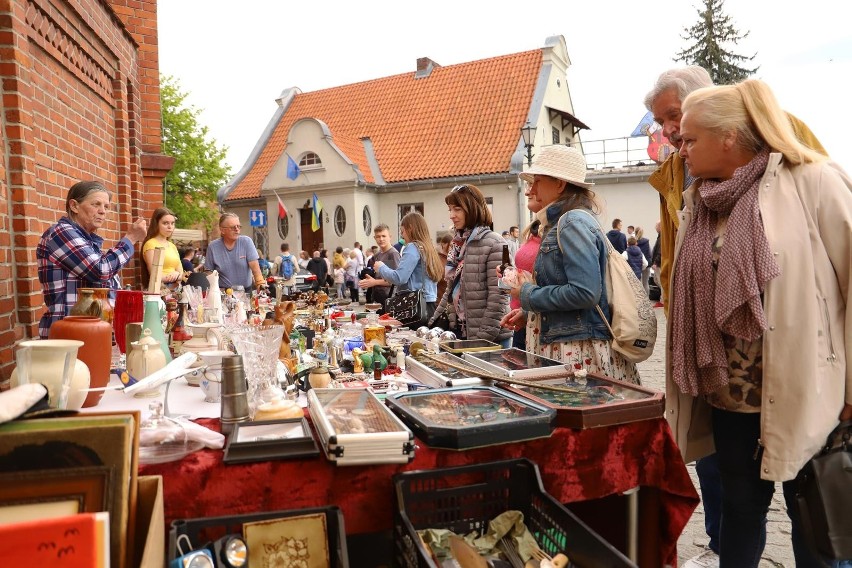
{"x": 145, "y": 358}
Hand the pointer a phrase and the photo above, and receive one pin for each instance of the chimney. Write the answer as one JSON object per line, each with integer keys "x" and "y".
{"x": 424, "y": 67}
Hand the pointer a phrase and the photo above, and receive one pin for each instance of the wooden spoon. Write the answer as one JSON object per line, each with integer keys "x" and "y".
{"x": 466, "y": 555}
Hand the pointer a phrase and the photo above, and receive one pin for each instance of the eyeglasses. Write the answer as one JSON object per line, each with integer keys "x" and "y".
{"x": 458, "y": 188}
{"x": 232, "y": 228}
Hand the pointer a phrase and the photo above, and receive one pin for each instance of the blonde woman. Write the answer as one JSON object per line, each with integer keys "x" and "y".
{"x": 759, "y": 341}
{"x": 420, "y": 266}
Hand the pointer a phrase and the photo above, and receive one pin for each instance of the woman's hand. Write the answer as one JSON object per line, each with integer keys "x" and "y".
{"x": 515, "y": 320}
{"x": 376, "y": 265}
{"x": 172, "y": 277}
{"x": 523, "y": 276}
{"x": 137, "y": 231}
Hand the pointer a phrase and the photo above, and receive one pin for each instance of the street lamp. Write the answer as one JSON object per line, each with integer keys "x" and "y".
{"x": 528, "y": 132}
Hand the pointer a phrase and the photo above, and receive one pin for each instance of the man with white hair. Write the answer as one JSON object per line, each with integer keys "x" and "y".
{"x": 670, "y": 180}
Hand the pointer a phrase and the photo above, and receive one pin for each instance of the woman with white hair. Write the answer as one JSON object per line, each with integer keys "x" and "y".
{"x": 569, "y": 270}
{"x": 760, "y": 330}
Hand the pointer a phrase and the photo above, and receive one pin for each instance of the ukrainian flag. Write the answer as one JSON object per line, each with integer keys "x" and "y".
{"x": 317, "y": 210}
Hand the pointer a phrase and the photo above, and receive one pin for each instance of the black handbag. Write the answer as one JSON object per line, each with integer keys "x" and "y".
{"x": 408, "y": 307}
{"x": 824, "y": 496}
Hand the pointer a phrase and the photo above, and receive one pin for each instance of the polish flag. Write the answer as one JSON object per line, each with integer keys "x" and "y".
{"x": 282, "y": 211}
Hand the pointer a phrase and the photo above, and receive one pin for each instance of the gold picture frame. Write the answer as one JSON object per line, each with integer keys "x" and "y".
{"x": 290, "y": 541}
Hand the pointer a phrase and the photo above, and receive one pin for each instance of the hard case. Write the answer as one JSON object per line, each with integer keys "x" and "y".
{"x": 598, "y": 401}
{"x": 355, "y": 428}
{"x": 516, "y": 363}
{"x": 467, "y": 417}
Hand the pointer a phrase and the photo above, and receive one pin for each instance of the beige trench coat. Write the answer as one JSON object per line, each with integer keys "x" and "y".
{"x": 807, "y": 216}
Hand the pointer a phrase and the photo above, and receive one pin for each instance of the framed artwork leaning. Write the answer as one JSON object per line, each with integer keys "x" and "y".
{"x": 49, "y": 493}
{"x": 69, "y": 443}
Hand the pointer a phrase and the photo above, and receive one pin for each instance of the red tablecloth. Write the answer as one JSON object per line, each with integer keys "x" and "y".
{"x": 575, "y": 465}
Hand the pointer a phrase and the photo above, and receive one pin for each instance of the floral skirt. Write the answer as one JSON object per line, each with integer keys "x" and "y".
{"x": 594, "y": 355}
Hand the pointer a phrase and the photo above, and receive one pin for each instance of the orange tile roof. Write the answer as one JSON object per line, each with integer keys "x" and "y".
{"x": 461, "y": 120}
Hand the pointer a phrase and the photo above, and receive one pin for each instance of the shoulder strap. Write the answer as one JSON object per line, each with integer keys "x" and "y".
{"x": 610, "y": 250}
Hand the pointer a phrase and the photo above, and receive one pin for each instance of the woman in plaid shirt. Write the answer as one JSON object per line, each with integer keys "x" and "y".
{"x": 69, "y": 254}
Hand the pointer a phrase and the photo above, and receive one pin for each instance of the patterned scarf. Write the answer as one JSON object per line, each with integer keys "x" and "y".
{"x": 705, "y": 305}
{"x": 455, "y": 263}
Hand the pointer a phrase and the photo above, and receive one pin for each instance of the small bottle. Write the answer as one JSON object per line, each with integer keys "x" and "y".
{"x": 507, "y": 261}
{"x": 377, "y": 370}
{"x": 507, "y": 271}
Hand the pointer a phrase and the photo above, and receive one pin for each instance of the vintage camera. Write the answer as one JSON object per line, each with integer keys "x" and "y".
{"x": 230, "y": 551}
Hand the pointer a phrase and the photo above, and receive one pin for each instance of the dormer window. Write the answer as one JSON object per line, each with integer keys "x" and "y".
{"x": 310, "y": 160}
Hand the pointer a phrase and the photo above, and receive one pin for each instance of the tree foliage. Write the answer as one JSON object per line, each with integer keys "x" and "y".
{"x": 200, "y": 168}
{"x": 710, "y": 36}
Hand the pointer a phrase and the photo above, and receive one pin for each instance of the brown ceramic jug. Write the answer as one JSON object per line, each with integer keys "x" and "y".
{"x": 96, "y": 351}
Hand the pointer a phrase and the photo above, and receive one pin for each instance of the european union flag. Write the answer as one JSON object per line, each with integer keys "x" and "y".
{"x": 317, "y": 209}
{"x": 293, "y": 170}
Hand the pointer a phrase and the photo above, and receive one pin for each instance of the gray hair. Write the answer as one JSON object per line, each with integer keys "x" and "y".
{"x": 684, "y": 79}
{"x": 227, "y": 216}
{"x": 80, "y": 191}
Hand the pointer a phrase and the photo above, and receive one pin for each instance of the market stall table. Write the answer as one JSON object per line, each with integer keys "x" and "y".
{"x": 577, "y": 466}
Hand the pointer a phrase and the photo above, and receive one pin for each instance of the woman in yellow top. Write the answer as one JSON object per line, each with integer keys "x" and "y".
{"x": 160, "y": 230}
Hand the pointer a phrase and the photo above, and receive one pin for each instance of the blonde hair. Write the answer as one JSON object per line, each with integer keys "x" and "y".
{"x": 417, "y": 232}
{"x": 751, "y": 110}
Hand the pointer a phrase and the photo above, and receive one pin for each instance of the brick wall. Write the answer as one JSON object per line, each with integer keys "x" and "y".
{"x": 80, "y": 101}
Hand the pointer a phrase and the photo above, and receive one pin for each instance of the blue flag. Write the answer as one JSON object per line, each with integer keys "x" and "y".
{"x": 293, "y": 170}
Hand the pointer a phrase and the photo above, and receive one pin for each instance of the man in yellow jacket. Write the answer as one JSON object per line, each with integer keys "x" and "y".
{"x": 670, "y": 179}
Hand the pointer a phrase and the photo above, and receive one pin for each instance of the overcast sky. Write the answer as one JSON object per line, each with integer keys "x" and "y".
{"x": 235, "y": 58}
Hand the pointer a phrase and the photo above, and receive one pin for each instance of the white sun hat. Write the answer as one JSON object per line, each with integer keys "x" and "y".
{"x": 561, "y": 162}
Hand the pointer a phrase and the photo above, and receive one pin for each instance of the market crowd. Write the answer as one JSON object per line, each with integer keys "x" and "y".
{"x": 753, "y": 255}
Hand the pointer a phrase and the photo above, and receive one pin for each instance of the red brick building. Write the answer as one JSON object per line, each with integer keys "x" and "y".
{"x": 80, "y": 100}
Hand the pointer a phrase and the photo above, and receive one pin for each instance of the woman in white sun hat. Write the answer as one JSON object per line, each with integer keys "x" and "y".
{"x": 569, "y": 270}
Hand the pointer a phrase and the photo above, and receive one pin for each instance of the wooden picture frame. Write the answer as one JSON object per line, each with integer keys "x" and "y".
{"x": 48, "y": 493}
{"x": 80, "y": 441}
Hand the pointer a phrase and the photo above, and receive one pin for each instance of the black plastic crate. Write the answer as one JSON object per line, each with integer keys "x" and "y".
{"x": 201, "y": 531}
{"x": 464, "y": 499}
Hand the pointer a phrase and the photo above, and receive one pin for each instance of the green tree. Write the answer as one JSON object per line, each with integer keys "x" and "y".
{"x": 710, "y": 36}
{"x": 200, "y": 168}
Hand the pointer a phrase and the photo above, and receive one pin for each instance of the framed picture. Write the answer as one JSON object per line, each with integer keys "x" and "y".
{"x": 80, "y": 441}
{"x": 270, "y": 439}
{"x": 291, "y": 541}
{"x": 49, "y": 493}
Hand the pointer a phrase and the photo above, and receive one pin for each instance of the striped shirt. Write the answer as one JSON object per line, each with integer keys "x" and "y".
{"x": 70, "y": 258}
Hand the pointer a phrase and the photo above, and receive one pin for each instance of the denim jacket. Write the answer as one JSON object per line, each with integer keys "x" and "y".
{"x": 568, "y": 286}
{"x": 411, "y": 274}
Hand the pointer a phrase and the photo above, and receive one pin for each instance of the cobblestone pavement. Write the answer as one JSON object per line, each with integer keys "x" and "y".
{"x": 778, "y": 552}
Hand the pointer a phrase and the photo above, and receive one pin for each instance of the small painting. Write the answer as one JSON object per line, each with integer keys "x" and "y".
{"x": 291, "y": 542}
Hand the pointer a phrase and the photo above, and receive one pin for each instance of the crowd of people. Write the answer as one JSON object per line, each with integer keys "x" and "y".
{"x": 752, "y": 255}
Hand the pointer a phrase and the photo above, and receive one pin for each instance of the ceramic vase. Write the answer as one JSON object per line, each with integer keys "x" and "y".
{"x": 53, "y": 363}
{"x": 152, "y": 322}
{"x": 93, "y": 302}
{"x": 95, "y": 352}
{"x": 144, "y": 359}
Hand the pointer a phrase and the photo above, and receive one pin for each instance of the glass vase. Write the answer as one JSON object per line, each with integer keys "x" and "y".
{"x": 259, "y": 348}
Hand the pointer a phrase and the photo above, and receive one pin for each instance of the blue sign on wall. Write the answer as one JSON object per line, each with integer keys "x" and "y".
{"x": 257, "y": 218}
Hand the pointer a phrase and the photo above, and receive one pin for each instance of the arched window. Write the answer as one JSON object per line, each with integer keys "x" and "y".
{"x": 368, "y": 220}
{"x": 283, "y": 227}
{"x": 310, "y": 159}
{"x": 339, "y": 221}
